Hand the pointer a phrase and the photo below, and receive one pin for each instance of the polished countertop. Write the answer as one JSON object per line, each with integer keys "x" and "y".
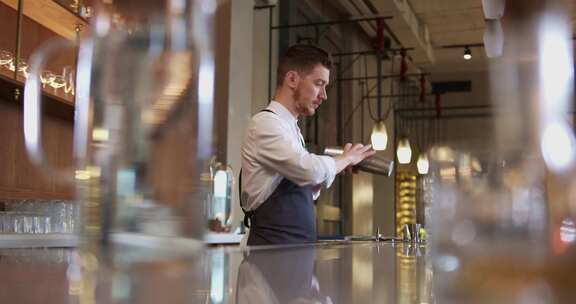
{"x": 327, "y": 272}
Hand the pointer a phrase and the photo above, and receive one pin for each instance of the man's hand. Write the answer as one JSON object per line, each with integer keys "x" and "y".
{"x": 353, "y": 155}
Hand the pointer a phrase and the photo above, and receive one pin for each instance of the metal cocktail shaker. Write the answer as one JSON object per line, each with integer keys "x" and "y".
{"x": 375, "y": 164}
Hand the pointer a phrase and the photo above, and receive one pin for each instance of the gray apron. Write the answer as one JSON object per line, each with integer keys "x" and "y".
{"x": 286, "y": 217}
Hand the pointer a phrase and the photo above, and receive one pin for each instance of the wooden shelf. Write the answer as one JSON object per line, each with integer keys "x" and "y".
{"x": 22, "y": 240}
{"x": 51, "y": 15}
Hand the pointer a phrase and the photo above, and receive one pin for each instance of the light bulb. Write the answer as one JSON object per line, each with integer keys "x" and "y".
{"x": 422, "y": 164}
{"x": 379, "y": 136}
{"x": 404, "y": 152}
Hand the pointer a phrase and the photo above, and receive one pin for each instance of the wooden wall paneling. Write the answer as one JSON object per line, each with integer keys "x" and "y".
{"x": 28, "y": 176}
{"x": 30, "y": 179}
{"x": 64, "y": 153}
{"x": 8, "y": 133}
{"x": 51, "y": 151}
{"x": 7, "y": 35}
{"x": 25, "y": 180}
{"x": 221, "y": 82}
{"x": 19, "y": 178}
{"x": 8, "y": 28}
{"x": 34, "y": 35}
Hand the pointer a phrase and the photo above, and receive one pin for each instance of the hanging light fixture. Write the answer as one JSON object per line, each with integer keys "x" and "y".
{"x": 493, "y": 9}
{"x": 467, "y": 53}
{"x": 404, "y": 152}
{"x": 379, "y": 136}
{"x": 423, "y": 164}
{"x": 493, "y": 38}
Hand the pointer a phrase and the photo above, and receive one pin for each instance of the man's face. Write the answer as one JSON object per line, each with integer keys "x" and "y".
{"x": 311, "y": 90}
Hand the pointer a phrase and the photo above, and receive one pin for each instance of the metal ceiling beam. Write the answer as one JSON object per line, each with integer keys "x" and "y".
{"x": 450, "y": 108}
{"x": 369, "y": 52}
{"x": 381, "y": 77}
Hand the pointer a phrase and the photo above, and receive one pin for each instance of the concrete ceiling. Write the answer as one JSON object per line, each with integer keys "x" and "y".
{"x": 445, "y": 22}
{"x": 452, "y": 22}
{"x": 448, "y": 22}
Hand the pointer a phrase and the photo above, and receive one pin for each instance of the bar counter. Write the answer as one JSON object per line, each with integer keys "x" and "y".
{"x": 328, "y": 272}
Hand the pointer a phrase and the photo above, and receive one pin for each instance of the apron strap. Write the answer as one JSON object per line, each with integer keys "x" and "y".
{"x": 247, "y": 214}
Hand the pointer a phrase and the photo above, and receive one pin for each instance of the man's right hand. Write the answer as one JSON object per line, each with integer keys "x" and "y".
{"x": 353, "y": 155}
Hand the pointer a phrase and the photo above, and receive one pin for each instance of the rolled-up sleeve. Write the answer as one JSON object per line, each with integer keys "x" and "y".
{"x": 276, "y": 152}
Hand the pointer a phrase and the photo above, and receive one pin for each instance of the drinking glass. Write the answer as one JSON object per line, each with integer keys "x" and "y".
{"x": 58, "y": 82}
{"x": 5, "y": 222}
{"x": 219, "y": 202}
{"x": 489, "y": 223}
{"x": 503, "y": 219}
{"x": 68, "y": 75}
{"x": 143, "y": 123}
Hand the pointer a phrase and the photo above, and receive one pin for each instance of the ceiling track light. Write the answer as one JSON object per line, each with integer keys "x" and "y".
{"x": 467, "y": 48}
{"x": 467, "y": 53}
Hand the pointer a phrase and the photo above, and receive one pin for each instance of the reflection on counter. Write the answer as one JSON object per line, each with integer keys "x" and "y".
{"x": 356, "y": 272}
{"x": 405, "y": 201}
{"x": 279, "y": 276}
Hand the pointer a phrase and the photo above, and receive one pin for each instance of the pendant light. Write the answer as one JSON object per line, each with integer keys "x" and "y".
{"x": 493, "y": 38}
{"x": 404, "y": 152}
{"x": 379, "y": 136}
{"x": 493, "y": 9}
{"x": 423, "y": 164}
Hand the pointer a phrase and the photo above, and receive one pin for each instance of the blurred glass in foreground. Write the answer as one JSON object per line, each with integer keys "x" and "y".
{"x": 143, "y": 122}
{"x": 502, "y": 220}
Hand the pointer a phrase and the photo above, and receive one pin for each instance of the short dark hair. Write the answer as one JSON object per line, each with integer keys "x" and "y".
{"x": 302, "y": 58}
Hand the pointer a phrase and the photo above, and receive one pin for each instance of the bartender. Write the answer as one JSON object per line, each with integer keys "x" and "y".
{"x": 280, "y": 179}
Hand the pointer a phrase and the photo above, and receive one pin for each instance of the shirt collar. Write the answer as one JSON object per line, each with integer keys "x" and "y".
{"x": 281, "y": 111}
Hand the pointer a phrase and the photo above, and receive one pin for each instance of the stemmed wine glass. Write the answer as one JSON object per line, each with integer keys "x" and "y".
{"x": 57, "y": 82}
{"x": 46, "y": 77}
{"x": 22, "y": 67}
{"x": 5, "y": 57}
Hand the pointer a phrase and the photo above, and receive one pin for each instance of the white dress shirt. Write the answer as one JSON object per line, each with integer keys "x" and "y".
{"x": 273, "y": 149}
